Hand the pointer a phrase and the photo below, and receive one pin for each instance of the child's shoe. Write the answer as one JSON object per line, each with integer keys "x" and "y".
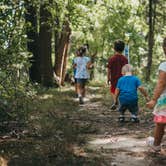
{"x": 152, "y": 148}
{"x": 81, "y": 100}
{"x": 114, "y": 106}
{"x": 134, "y": 119}
{"x": 121, "y": 119}
{"x": 150, "y": 141}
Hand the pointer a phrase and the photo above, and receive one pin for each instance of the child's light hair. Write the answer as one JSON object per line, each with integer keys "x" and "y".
{"x": 127, "y": 69}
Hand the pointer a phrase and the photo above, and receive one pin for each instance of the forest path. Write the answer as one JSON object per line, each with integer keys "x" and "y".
{"x": 60, "y": 132}
{"x": 117, "y": 144}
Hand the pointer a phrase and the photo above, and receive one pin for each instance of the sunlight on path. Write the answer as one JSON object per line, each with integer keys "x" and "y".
{"x": 123, "y": 150}
{"x": 119, "y": 142}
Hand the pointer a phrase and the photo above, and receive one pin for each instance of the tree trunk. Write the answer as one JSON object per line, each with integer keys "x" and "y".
{"x": 45, "y": 46}
{"x": 61, "y": 50}
{"x": 152, "y": 17}
{"x": 92, "y": 61}
{"x": 32, "y": 43}
{"x": 63, "y": 72}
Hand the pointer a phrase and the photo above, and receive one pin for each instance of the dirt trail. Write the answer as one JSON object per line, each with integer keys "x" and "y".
{"x": 60, "y": 132}
{"x": 116, "y": 144}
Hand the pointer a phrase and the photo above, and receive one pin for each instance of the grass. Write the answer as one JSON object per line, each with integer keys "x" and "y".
{"x": 51, "y": 132}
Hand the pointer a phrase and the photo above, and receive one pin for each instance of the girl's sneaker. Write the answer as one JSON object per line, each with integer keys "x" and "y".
{"x": 113, "y": 107}
{"x": 121, "y": 119}
{"x": 134, "y": 119}
{"x": 150, "y": 142}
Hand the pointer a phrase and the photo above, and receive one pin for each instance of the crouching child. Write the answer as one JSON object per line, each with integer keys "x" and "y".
{"x": 126, "y": 93}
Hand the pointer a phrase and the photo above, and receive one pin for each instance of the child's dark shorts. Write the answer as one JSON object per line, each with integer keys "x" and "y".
{"x": 133, "y": 108}
{"x": 82, "y": 81}
{"x": 75, "y": 80}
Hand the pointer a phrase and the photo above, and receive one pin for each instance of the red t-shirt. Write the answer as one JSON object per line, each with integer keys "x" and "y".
{"x": 115, "y": 63}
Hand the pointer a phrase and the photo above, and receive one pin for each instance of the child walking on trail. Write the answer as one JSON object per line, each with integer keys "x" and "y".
{"x": 158, "y": 102}
{"x": 126, "y": 91}
{"x": 115, "y": 64}
{"x": 82, "y": 63}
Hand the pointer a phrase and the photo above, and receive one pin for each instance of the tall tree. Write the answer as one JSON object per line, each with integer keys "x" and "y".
{"x": 32, "y": 41}
{"x": 151, "y": 22}
{"x": 45, "y": 36}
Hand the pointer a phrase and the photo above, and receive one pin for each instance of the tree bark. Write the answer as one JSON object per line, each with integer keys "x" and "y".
{"x": 61, "y": 51}
{"x": 63, "y": 72}
{"x": 45, "y": 46}
{"x": 92, "y": 61}
{"x": 32, "y": 43}
{"x": 152, "y": 17}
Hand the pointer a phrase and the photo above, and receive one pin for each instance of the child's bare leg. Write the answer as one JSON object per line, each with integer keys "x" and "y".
{"x": 80, "y": 93}
{"x": 113, "y": 97}
{"x": 158, "y": 133}
{"x": 76, "y": 91}
{"x": 75, "y": 87}
{"x": 79, "y": 89}
{"x": 83, "y": 90}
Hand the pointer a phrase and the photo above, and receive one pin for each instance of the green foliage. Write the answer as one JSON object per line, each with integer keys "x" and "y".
{"x": 101, "y": 23}
{"x": 13, "y": 57}
{"x": 98, "y": 23}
